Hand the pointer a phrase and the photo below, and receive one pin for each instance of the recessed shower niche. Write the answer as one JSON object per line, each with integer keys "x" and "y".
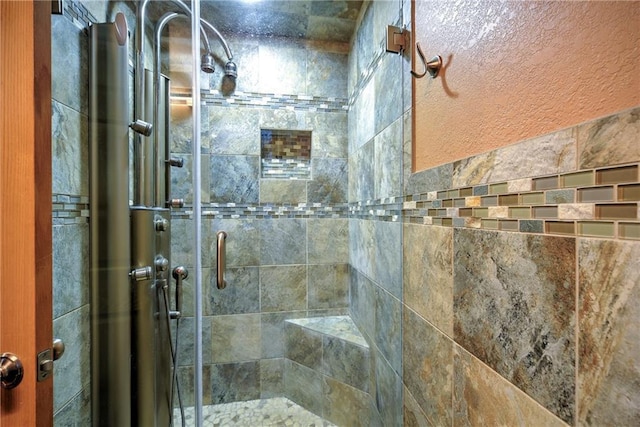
{"x": 285, "y": 154}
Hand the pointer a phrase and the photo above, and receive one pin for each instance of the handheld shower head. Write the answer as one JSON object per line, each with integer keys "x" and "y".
{"x": 231, "y": 70}
{"x": 206, "y": 63}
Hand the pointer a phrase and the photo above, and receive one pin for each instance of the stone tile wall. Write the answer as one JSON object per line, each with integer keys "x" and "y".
{"x": 287, "y": 244}
{"x": 524, "y": 315}
{"x": 378, "y": 82}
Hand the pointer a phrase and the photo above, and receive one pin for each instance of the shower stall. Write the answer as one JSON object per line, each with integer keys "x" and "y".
{"x": 226, "y": 211}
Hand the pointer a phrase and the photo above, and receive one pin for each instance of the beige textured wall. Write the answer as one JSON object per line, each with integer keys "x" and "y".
{"x": 518, "y": 69}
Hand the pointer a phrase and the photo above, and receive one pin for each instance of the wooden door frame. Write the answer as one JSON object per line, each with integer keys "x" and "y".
{"x": 25, "y": 205}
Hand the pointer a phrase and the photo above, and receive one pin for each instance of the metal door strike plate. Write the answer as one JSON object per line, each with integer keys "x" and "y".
{"x": 45, "y": 364}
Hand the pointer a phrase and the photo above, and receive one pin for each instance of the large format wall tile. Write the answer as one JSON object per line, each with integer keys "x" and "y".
{"x": 328, "y": 286}
{"x": 233, "y": 382}
{"x": 388, "y": 332}
{"x": 182, "y": 180}
{"x": 235, "y": 338}
{"x": 303, "y": 346}
{"x": 427, "y": 367}
{"x": 186, "y": 333}
{"x": 242, "y": 294}
{"x": 362, "y": 302}
{"x": 329, "y": 181}
{"x": 70, "y": 50}
{"x": 388, "y": 161}
{"x": 428, "y": 274}
{"x": 364, "y": 173}
{"x": 77, "y": 412}
{"x": 364, "y": 45}
{"x": 70, "y": 166}
{"x": 362, "y": 246}
{"x": 283, "y": 241}
{"x": 271, "y": 378}
{"x": 282, "y": 68}
{"x": 609, "y": 141}
{"x": 283, "y": 191}
{"x": 273, "y": 336}
{"x": 283, "y": 288}
{"x": 514, "y": 309}
{"x": 433, "y": 179}
{"x": 329, "y": 134}
{"x": 322, "y": 78}
{"x": 70, "y": 268}
{"x": 609, "y": 340}
{"x": 412, "y": 415}
{"x": 484, "y": 398}
{"x": 234, "y": 131}
{"x": 554, "y": 153}
{"x": 328, "y": 240}
{"x": 234, "y": 179}
{"x": 388, "y": 256}
{"x": 344, "y": 405}
{"x": 388, "y": 392}
{"x": 388, "y": 92}
{"x": 303, "y": 386}
{"x": 72, "y": 373}
{"x": 241, "y": 243}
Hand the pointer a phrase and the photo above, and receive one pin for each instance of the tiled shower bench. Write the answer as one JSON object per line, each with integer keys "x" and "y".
{"x": 328, "y": 369}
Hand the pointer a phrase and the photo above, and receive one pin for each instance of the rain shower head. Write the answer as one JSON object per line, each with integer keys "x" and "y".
{"x": 231, "y": 70}
{"x": 206, "y": 63}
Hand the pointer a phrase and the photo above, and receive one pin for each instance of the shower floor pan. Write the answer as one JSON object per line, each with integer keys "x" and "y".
{"x": 278, "y": 411}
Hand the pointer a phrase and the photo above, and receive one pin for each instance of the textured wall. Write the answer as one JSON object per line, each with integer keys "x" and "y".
{"x": 515, "y": 70}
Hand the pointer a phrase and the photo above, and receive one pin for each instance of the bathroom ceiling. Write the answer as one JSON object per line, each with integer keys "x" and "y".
{"x": 321, "y": 20}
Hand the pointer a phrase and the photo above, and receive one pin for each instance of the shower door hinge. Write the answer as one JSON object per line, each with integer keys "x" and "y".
{"x": 57, "y": 7}
{"x": 397, "y": 39}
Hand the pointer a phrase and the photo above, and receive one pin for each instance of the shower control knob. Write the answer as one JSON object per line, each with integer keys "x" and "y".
{"x": 141, "y": 273}
{"x": 176, "y": 162}
{"x": 176, "y": 203}
{"x": 162, "y": 264}
{"x": 162, "y": 224}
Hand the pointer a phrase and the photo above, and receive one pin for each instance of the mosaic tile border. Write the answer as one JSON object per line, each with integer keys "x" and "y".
{"x": 601, "y": 202}
{"x": 215, "y": 98}
{"x": 266, "y": 211}
{"x": 67, "y": 209}
{"x": 77, "y": 13}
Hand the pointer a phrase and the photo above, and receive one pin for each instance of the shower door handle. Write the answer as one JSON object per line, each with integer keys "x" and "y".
{"x": 221, "y": 259}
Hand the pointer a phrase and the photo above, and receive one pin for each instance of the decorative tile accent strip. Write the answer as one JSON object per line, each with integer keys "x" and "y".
{"x": 70, "y": 209}
{"x": 77, "y": 13}
{"x": 575, "y": 203}
{"x": 266, "y": 211}
{"x": 267, "y": 100}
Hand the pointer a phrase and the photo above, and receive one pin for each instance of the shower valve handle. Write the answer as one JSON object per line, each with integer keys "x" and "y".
{"x": 176, "y": 203}
{"x": 176, "y": 162}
